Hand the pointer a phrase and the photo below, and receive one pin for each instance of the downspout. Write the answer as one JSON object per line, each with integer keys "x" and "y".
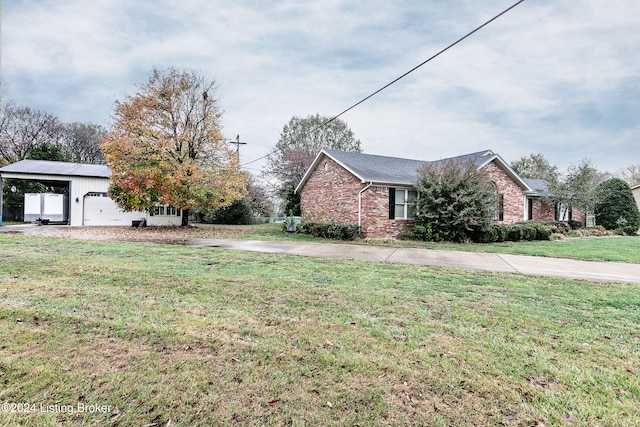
{"x": 360, "y": 203}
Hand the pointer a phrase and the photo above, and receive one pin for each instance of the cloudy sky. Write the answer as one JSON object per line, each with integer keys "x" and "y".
{"x": 557, "y": 77}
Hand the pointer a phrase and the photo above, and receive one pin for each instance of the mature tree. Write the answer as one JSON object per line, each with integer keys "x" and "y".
{"x": 535, "y": 166}
{"x": 631, "y": 174}
{"x": 300, "y": 141}
{"x": 47, "y": 151}
{"x": 577, "y": 188}
{"x": 242, "y": 211}
{"x": 82, "y": 142}
{"x": 258, "y": 197}
{"x": 457, "y": 201}
{"x": 616, "y": 207}
{"x": 22, "y": 128}
{"x": 166, "y": 147}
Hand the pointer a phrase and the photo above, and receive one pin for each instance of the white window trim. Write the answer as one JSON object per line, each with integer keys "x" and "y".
{"x": 165, "y": 210}
{"x": 406, "y": 202}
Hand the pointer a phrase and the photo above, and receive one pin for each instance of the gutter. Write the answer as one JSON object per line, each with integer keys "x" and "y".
{"x": 360, "y": 203}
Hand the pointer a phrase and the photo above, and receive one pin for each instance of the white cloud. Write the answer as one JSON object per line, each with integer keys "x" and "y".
{"x": 556, "y": 77}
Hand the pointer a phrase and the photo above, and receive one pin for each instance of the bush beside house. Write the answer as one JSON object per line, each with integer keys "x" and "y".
{"x": 457, "y": 201}
{"x": 616, "y": 207}
{"x": 332, "y": 230}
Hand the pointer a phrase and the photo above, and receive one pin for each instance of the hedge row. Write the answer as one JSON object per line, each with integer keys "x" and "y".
{"x": 332, "y": 230}
{"x": 530, "y": 230}
{"x": 516, "y": 232}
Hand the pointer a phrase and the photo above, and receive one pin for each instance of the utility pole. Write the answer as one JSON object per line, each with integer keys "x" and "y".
{"x": 237, "y": 143}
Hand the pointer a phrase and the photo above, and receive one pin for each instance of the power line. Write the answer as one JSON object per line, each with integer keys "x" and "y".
{"x": 237, "y": 143}
{"x": 469, "y": 34}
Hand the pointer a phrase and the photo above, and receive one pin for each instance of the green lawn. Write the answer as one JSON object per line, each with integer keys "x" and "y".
{"x": 618, "y": 249}
{"x": 186, "y": 336}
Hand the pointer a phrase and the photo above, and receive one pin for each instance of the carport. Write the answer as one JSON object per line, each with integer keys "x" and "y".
{"x": 84, "y": 182}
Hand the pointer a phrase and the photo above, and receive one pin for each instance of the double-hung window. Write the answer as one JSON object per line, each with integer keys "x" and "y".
{"x": 563, "y": 212}
{"x": 165, "y": 210}
{"x": 402, "y": 203}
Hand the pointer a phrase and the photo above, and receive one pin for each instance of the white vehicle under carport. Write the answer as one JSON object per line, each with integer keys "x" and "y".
{"x": 45, "y": 208}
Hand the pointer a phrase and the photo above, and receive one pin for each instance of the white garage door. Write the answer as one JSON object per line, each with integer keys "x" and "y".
{"x": 101, "y": 210}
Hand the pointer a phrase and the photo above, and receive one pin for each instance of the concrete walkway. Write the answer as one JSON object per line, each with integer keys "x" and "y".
{"x": 529, "y": 265}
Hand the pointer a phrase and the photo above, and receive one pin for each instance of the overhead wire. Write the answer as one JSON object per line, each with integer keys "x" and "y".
{"x": 469, "y": 34}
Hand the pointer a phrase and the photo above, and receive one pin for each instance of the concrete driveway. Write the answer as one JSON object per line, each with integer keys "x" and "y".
{"x": 503, "y": 263}
{"x": 529, "y": 265}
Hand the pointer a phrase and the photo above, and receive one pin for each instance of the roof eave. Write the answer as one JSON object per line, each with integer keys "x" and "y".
{"x": 5, "y": 173}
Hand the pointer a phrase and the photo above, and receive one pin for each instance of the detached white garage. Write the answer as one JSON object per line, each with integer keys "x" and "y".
{"x": 99, "y": 209}
{"x": 89, "y": 203}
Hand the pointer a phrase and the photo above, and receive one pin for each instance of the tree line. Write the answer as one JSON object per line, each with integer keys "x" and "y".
{"x": 24, "y": 129}
{"x": 166, "y": 146}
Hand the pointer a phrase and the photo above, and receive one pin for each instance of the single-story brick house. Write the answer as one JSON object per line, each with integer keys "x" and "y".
{"x": 375, "y": 191}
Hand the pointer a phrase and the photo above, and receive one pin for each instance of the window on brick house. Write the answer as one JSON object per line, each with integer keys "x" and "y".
{"x": 402, "y": 203}
{"x": 563, "y": 212}
{"x": 499, "y": 211}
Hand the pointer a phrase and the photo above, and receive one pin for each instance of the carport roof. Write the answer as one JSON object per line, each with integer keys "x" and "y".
{"x": 45, "y": 167}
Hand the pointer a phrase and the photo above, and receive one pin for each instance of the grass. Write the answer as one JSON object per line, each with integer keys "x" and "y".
{"x": 619, "y": 249}
{"x": 187, "y": 336}
{"x": 616, "y": 249}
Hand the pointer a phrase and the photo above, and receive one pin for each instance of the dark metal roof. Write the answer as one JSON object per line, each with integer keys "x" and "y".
{"x": 45, "y": 167}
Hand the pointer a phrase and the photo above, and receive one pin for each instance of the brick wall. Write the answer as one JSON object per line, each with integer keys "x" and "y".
{"x": 375, "y": 214}
{"x": 330, "y": 194}
{"x": 513, "y": 194}
{"x": 543, "y": 211}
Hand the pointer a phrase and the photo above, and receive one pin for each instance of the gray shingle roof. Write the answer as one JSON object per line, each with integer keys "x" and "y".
{"x": 539, "y": 186}
{"x": 398, "y": 171}
{"x": 374, "y": 168}
{"x": 44, "y": 167}
{"x": 395, "y": 170}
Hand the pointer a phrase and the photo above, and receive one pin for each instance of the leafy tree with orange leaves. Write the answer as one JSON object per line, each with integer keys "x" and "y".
{"x": 165, "y": 147}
